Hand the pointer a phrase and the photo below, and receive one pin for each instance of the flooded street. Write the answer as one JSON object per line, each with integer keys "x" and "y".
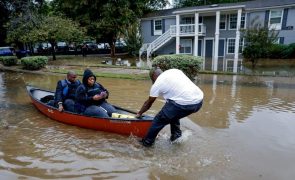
{"x": 245, "y": 130}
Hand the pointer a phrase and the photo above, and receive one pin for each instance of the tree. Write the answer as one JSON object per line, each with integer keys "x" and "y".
{"x": 106, "y": 20}
{"x": 3, "y": 20}
{"x": 44, "y": 29}
{"x": 258, "y": 40}
{"x": 54, "y": 28}
{"x": 133, "y": 38}
{"x": 13, "y": 9}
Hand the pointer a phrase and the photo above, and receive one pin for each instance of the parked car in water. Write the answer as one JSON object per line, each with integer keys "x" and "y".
{"x": 22, "y": 53}
{"x": 92, "y": 47}
{"x": 120, "y": 44}
{"x": 6, "y": 51}
{"x": 103, "y": 46}
{"x": 43, "y": 48}
{"x": 62, "y": 47}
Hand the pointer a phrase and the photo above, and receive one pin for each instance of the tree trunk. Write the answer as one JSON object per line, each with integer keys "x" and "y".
{"x": 112, "y": 46}
{"x": 53, "y": 50}
{"x": 113, "y": 50}
{"x": 254, "y": 62}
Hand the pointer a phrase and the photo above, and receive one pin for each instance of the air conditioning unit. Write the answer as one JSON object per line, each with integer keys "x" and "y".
{"x": 289, "y": 28}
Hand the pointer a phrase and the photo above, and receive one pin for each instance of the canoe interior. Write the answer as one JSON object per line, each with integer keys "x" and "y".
{"x": 39, "y": 93}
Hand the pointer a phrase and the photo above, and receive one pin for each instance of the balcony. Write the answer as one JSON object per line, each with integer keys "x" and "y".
{"x": 188, "y": 30}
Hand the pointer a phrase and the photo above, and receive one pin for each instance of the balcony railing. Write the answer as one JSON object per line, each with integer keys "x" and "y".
{"x": 188, "y": 30}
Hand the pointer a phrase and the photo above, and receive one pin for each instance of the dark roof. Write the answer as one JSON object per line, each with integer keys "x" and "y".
{"x": 256, "y": 4}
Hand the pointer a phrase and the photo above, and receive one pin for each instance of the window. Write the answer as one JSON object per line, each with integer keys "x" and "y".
{"x": 157, "y": 27}
{"x": 185, "y": 46}
{"x": 222, "y": 23}
{"x": 243, "y": 21}
{"x": 275, "y": 19}
{"x": 187, "y": 20}
{"x": 200, "y": 19}
{"x": 231, "y": 46}
{"x": 232, "y": 21}
{"x": 279, "y": 40}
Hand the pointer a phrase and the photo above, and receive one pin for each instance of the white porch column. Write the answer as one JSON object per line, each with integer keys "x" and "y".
{"x": 196, "y": 34}
{"x": 216, "y": 45}
{"x": 237, "y": 42}
{"x": 177, "y": 34}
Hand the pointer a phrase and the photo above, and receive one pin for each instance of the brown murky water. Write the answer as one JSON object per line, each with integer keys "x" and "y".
{"x": 245, "y": 130}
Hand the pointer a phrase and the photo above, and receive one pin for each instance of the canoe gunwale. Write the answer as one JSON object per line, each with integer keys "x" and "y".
{"x": 31, "y": 88}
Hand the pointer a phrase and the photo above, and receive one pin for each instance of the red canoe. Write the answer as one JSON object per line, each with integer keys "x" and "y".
{"x": 132, "y": 126}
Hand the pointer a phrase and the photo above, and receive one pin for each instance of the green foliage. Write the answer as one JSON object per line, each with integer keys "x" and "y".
{"x": 34, "y": 63}
{"x": 55, "y": 28}
{"x": 18, "y": 9}
{"x": 8, "y": 60}
{"x": 258, "y": 41}
{"x": 133, "y": 39}
{"x": 106, "y": 20}
{"x": 40, "y": 28}
{"x": 190, "y": 65}
{"x": 289, "y": 51}
{"x": 281, "y": 51}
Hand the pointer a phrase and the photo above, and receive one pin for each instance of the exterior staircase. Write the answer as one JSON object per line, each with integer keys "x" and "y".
{"x": 149, "y": 48}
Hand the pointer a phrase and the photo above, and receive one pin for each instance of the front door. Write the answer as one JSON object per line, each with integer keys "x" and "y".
{"x": 208, "y": 54}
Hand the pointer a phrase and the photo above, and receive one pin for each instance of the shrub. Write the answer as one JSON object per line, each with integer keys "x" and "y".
{"x": 8, "y": 60}
{"x": 190, "y": 65}
{"x": 281, "y": 51}
{"x": 289, "y": 51}
{"x": 34, "y": 63}
{"x": 275, "y": 51}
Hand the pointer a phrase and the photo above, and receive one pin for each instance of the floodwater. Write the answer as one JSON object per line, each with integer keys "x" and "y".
{"x": 245, "y": 130}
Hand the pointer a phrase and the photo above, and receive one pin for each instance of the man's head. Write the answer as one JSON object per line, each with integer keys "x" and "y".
{"x": 155, "y": 73}
{"x": 71, "y": 76}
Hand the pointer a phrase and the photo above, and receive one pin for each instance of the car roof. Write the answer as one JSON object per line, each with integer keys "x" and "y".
{"x": 6, "y": 47}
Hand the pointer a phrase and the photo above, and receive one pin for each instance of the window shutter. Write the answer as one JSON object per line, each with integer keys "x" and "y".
{"x": 221, "y": 47}
{"x": 163, "y": 26}
{"x": 266, "y": 19}
{"x": 152, "y": 27}
{"x": 285, "y": 15}
{"x": 281, "y": 40}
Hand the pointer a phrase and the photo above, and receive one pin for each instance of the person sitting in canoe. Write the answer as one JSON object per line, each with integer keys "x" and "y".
{"x": 64, "y": 98}
{"x": 91, "y": 97}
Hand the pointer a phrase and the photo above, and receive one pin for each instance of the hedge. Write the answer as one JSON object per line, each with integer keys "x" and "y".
{"x": 8, "y": 60}
{"x": 189, "y": 64}
{"x": 34, "y": 62}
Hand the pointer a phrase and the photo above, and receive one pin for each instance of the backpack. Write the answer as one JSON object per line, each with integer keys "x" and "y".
{"x": 65, "y": 87}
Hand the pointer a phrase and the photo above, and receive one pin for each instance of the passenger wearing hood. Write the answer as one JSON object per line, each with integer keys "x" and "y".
{"x": 91, "y": 97}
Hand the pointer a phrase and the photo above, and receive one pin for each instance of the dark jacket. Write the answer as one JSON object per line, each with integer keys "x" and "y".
{"x": 85, "y": 93}
{"x": 65, "y": 90}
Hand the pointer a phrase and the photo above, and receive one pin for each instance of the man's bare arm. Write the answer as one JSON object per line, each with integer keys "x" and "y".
{"x": 146, "y": 105}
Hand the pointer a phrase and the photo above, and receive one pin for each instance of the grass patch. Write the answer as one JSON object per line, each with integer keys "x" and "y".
{"x": 104, "y": 74}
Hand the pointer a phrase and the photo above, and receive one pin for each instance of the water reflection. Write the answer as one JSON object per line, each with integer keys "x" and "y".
{"x": 245, "y": 120}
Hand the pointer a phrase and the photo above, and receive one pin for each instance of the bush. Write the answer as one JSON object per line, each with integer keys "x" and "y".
{"x": 281, "y": 51}
{"x": 8, "y": 60}
{"x": 289, "y": 52}
{"x": 275, "y": 51}
{"x": 34, "y": 63}
{"x": 190, "y": 65}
